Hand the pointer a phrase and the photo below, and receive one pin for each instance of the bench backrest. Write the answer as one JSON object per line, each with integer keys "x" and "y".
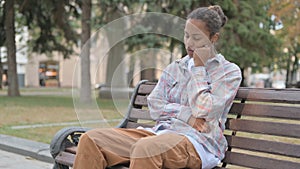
{"x": 262, "y": 128}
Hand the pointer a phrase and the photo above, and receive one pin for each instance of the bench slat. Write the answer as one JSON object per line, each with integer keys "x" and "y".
{"x": 266, "y": 110}
{"x": 146, "y": 88}
{"x": 140, "y": 114}
{"x": 135, "y": 125}
{"x": 252, "y": 161}
{"x": 271, "y": 128}
{"x": 291, "y": 150}
{"x": 72, "y": 149}
{"x": 141, "y": 100}
{"x": 65, "y": 158}
{"x": 269, "y": 95}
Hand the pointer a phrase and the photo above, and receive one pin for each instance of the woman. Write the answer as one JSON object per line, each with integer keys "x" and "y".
{"x": 190, "y": 103}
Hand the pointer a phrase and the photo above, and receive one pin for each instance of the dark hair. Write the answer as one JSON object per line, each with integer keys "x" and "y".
{"x": 213, "y": 16}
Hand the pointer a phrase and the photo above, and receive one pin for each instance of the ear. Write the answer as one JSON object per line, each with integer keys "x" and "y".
{"x": 215, "y": 37}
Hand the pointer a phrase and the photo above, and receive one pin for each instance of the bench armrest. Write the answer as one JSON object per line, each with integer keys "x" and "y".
{"x": 61, "y": 140}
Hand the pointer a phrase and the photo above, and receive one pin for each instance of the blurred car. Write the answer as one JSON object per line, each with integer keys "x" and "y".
{"x": 279, "y": 84}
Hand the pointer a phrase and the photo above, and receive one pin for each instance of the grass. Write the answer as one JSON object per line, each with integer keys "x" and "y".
{"x": 45, "y": 109}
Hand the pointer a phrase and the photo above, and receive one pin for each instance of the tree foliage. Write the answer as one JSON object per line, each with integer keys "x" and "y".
{"x": 51, "y": 24}
{"x": 246, "y": 38}
{"x": 177, "y": 8}
{"x": 287, "y": 12}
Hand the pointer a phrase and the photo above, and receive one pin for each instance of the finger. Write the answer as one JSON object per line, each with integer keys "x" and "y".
{"x": 200, "y": 127}
{"x": 205, "y": 128}
{"x": 203, "y": 53}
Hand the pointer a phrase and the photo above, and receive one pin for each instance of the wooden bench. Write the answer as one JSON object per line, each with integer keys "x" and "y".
{"x": 262, "y": 129}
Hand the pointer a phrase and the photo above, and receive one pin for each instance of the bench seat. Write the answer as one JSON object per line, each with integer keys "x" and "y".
{"x": 262, "y": 129}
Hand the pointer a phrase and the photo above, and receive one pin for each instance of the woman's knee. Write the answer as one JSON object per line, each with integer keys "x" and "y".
{"x": 83, "y": 138}
{"x": 96, "y": 133}
{"x": 101, "y": 137}
{"x": 152, "y": 146}
{"x": 144, "y": 147}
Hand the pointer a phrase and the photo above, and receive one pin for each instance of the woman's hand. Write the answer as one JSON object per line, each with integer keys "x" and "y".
{"x": 201, "y": 55}
{"x": 198, "y": 124}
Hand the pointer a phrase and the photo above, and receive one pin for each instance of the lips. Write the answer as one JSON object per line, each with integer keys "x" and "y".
{"x": 190, "y": 52}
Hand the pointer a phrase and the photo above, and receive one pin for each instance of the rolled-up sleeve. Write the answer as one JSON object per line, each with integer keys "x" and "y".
{"x": 159, "y": 101}
{"x": 212, "y": 87}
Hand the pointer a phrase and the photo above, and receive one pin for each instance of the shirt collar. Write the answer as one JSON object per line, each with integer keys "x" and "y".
{"x": 218, "y": 58}
{"x": 183, "y": 62}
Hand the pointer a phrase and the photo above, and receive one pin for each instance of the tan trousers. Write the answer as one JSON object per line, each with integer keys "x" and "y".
{"x": 101, "y": 148}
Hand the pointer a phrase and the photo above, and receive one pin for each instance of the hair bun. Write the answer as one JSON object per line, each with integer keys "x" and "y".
{"x": 219, "y": 10}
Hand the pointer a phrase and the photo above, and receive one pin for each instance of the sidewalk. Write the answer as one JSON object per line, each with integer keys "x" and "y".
{"x": 15, "y": 161}
{"x": 18, "y": 153}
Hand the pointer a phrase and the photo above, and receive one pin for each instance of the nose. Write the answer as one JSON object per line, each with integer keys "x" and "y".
{"x": 189, "y": 42}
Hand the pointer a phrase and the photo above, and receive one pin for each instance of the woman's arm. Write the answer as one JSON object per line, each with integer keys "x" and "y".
{"x": 161, "y": 103}
{"x": 209, "y": 90}
{"x": 209, "y": 97}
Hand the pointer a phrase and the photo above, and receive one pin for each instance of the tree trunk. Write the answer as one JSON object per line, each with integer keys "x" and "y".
{"x": 1, "y": 71}
{"x": 243, "y": 77}
{"x": 287, "y": 79}
{"x": 183, "y": 51}
{"x": 13, "y": 87}
{"x": 294, "y": 69}
{"x": 116, "y": 67}
{"x": 115, "y": 63}
{"x": 85, "y": 92}
{"x": 172, "y": 45}
{"x": 148, "y": 63}
{"x": 130, "y": 75}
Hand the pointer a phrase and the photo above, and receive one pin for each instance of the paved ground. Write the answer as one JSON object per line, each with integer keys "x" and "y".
{"x": 19, "y": 153}
{"x": 15, "y": 161}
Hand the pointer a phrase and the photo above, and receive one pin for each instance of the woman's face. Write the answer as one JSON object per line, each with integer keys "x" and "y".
{"x": 196, "y": 35}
